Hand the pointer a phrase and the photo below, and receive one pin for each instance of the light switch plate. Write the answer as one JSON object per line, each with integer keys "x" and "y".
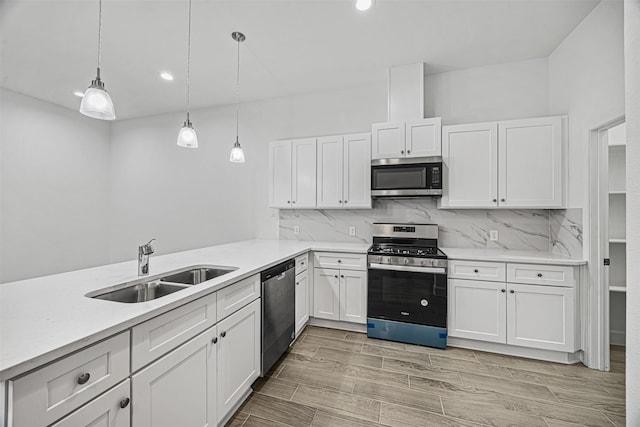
{"x": 296, "y": 229}
{"x": 493, "y": 235}
{"x": 352, "y": 231}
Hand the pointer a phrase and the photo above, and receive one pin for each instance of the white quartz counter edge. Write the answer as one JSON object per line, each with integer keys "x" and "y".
{"x": 498, "y": 255}
{"x": 44, "y": 318}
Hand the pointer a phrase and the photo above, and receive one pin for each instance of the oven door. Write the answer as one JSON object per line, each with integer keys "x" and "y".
{"x": 408, "y": 294}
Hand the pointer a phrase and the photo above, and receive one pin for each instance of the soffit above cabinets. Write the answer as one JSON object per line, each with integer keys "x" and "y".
{"x": 49, "y": 47}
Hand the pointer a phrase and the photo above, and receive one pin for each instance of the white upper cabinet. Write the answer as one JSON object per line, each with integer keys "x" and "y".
{"x": 530, "y": 161}
{"x": 344, "y": 171}
{"x": 511, "y": 164}
{"x": 416, "y": 138}
{"x": 357, "y": 171}
{"x": 470, "y": 160}
{"x": 292, "y": 173}
{"x": 280, "y": 174}
{"x": 303, "y": 184}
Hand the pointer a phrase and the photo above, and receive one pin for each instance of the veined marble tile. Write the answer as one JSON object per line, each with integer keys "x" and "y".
{"x": 539, "y": 230}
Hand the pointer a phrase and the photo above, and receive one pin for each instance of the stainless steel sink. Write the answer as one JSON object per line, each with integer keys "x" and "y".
{"x": 197, "y": 275}
{"x": 150, "y": 288}
{"x": 141, "y": 292}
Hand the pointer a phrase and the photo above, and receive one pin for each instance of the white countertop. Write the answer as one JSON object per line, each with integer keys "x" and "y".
{"x": 508, "y": 255}
{"x": 44, "y": 318}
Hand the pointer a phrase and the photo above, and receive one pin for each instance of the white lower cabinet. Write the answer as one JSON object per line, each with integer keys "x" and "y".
{"x": 179, "y": 389}
{"x": 477, "y": 310}
{"x": 239, "y": 352}
{"x": 111, "y": 409}
{"x": 302, "y": 300}
{"x": 522, "y": 314}
{"x": 340, "y": 295}
{"x": 541, "y": 316}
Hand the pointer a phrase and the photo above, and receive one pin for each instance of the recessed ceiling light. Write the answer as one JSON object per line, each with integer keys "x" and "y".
{"x": 363, "y": 5}
{"x": 166, "y": 76}
{"x": 78, "y": 94}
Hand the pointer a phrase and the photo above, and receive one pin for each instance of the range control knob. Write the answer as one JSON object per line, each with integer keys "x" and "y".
{"x": 424, "y": 303}
{"x": 406, "y": 260}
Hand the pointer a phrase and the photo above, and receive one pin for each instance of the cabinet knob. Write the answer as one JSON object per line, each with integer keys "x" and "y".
{"x": 214, "y": 340}
{"x": 82, "y": 379}
{"x": 294, "y": 202}
{"x": 297, "y": 283}
{"x": 342, "y": 276}
{"x": 512, "y": 291}
{"x": 539, "y": 274}
{"x": 124, "y": 402}
{"x": 475, "y": 271}
{"x": 336, "y": 276}
{"x": 503, "y": 290}
{"x": 345, "y": 201}
{"x": 401, "y": 151}
{"x": 503, "y": 200}
{"x": 339, "y": 260}
{"x": 223, "y": 334}
{"x": 288, "y": 201}
{"x": 408, "y": 151}
{"x": 340, "y": 201}
{"x": 495, "y": 200}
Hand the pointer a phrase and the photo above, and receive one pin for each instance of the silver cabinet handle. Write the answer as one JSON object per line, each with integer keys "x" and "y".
{"x": 436, "y": 270}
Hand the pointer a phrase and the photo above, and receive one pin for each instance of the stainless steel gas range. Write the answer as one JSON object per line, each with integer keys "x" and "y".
{"x": 407, "y": 289}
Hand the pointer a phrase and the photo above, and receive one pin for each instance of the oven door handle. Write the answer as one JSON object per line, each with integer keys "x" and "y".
{"x": 436, "y": 270}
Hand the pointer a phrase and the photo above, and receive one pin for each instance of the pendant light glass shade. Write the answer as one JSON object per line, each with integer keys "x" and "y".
{"x": 237, "y": 155}
{"x": 187, "y": 136}
{"x": 96, "y": 102}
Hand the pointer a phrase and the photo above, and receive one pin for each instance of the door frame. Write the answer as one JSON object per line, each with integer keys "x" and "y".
{"x": 596, "y": 299}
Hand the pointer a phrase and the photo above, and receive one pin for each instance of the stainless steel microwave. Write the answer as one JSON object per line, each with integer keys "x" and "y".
{"x": 411, "y": 177}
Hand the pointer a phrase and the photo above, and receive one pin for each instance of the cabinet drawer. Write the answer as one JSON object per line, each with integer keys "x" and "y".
{"x": 341, "y": 260}
{"x": 49, "y": 393}
{"x": 554, "y": 275}
{"x": 477, "y": 270}
{"x": 234, "y": 297}
{"x": 162, "y": 334}
{"x": 302, "y": 262}
{"x": 106, "y": 410}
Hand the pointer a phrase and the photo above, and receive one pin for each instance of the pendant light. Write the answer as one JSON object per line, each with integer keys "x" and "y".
{"x": 96, "y": 102}
{"x": 187, "y": 137}
{"x": 237, "y": 155}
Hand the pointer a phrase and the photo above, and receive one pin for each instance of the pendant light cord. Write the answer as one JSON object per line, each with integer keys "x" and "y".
{"x": 189, "y": 65}
{"x": 99, "y": 35}
{"x": 238, "y": 92}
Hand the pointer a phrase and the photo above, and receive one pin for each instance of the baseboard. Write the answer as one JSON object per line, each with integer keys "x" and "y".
{"x": 618, "y": 338}
{"x": 336, "y": 324}
{"x": 513, "y": 350}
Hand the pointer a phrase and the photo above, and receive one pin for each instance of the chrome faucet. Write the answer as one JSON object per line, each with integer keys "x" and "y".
{"x": 143, "y": 258}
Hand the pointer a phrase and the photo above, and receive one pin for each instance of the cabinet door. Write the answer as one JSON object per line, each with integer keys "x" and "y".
{"x": 477, "y": 310}
{"x": 302, "y": 301}
{"x": 110, "y": 409}
{"x": 303, "y": 184}
{"x": 178, "y": 389}
{"x": 531, "y": 168}
{"x": 423, "y": 138}
{"x": 326, "y": 293}
{"x": 470, "y": 159}
{"x": 280, "y": 174}
{"x": 387, "y": 140}
{"x": 329, "y": 172}
{"x": 238, "y": 356}
{"x": 541, "y": 317}
{"x": 353, "y": 296}
{"x": 357, "y": 171}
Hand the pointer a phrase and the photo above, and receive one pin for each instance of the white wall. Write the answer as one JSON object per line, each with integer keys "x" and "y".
{"x": 632, "y": 96}
{"x": 497, "y": 92}
{"x": 54, "y": 189}
{"x": 586, "y": 81}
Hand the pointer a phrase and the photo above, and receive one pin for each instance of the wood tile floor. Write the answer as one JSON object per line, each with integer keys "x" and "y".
{"x": 333, "y": 378}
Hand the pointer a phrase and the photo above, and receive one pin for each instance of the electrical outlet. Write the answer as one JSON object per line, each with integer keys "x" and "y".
{"x": 493, "y": 235}
{"x": 296, "y": 229}
{"x": 352, "y": 231}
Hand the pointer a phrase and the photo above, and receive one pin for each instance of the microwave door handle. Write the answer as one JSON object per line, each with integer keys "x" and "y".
{"x": 435, "y": 270}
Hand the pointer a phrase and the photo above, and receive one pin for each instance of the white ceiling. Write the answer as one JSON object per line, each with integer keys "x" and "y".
{"x": 49, "y": 48}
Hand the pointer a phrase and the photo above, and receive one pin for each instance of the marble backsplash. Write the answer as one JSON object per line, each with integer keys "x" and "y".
{"x": 558, "y": 231}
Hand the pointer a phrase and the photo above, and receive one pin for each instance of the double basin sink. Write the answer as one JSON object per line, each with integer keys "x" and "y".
{"x": 151, "y": 288}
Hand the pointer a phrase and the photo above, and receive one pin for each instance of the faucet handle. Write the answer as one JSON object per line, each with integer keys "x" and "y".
{"x": 147, "y": 249}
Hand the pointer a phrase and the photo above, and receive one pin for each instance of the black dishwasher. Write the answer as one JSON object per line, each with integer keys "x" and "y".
{"x": 278, "y": 312}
